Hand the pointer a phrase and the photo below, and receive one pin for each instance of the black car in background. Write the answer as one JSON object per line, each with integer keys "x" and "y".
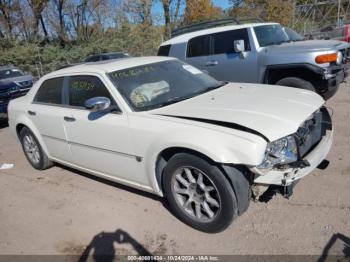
{"x": 99, "y": 57}
{"x": 13, "y": 83}
{"x": 106, "y": 56}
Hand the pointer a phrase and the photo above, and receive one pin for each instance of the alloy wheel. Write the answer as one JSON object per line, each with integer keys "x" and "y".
{"x": 31, "y": 148}
{"x": 196, "y": 194}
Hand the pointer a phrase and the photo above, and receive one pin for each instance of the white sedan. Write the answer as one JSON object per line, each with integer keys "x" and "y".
{"x": 165, "y": 127}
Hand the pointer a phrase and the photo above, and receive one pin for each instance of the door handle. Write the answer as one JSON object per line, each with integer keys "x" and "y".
{"x": 211, "y": 63}
{"x": 69, "y": 119}
{"x": 32, "y": 113}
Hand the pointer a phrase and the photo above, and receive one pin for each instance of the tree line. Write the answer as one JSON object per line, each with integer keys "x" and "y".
{"x": 42, "y": 35}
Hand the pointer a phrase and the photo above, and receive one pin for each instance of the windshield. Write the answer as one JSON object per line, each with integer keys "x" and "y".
{"x": 159, "y": 84}
{"x": 9, "y": 73}
{"x": 270, "y": 35}
{"x": 292, "y": 35}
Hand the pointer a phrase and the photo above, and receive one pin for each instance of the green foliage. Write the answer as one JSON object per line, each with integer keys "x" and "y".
{"x": 42, "y": 58}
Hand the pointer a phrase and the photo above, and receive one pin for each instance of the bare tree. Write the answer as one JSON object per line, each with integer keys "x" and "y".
{"x": 166, "y": 8}
{"x": 22, "y": 22}
{"x": 61, "y": 31}
{"x": 170, "y": 18}
{"x": 38, "y": 7}
{"x": 6, "y": 7}
{"x": 139, "y": 11}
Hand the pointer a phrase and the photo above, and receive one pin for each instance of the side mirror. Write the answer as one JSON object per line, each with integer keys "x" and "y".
{"x": 96, "y": 104}
{"x": 239, "y": 46}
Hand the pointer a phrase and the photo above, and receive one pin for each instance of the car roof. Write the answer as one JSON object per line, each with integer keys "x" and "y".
{"x": 7, "y": 67}
{"x": 185, "y": 37}
{"x": 107, "y": 66}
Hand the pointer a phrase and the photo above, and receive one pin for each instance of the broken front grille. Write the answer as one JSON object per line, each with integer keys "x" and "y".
{"x": 312, "y": 131}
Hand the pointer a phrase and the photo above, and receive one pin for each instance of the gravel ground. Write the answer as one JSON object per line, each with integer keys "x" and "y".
{"x": 63, "y": 211}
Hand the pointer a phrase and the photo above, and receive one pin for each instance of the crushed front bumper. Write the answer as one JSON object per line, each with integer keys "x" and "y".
{"x": 334, "y": 76}
{"x": 288, "y": 176}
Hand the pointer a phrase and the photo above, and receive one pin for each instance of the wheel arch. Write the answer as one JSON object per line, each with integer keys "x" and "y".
{"x": 308, "y": 72}
{"x": 19, "y": 128}
{"x": 167, "y": 153}
{"x": 239, "y": 176}
{"x": 23, "y": 122}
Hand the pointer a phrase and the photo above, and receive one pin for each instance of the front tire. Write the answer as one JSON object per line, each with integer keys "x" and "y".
{"x": 198, "y": 193}
{"x": 33, "y": 151}
{"x": 297, "y": 83}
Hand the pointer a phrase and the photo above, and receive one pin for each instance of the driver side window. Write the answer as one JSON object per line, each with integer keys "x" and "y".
{"x": 82, "y": 88}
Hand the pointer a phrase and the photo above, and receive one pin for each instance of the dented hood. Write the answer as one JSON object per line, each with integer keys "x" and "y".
{"x": 273, "y": 111}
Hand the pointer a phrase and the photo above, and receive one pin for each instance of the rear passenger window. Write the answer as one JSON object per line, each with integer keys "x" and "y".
{"x": 82, "y": 88}
{"x": 50, "y": 91}
{"x": 199, "y": 46}
{"x": 164, "y": 50}
{"x": 223, "y": 42}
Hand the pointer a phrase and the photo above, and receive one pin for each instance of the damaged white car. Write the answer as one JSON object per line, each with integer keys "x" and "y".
{"x": 165, "y": 127}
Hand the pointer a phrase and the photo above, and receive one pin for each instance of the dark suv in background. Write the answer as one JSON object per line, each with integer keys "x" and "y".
{"x": 13, "y": 83}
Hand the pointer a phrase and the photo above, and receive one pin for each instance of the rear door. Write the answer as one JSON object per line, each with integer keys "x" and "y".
{"x": 198, "y": 51}
{"x": 47, "y": 113}
{"x": 225, "y": 64}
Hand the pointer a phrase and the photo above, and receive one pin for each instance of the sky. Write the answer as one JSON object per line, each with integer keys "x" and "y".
{"x": 222, "y": 3}
{"x": 158, "y": 10}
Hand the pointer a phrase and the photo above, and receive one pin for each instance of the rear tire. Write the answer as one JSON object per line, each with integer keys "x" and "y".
{"x": 297, "y": 83}
{"x": 198, "y": 193}
{"x": 33, "y": 151}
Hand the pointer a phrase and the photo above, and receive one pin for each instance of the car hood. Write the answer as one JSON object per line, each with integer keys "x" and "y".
{"x": 308, "y": 46}
{"x": 273, "y": 111}
{"x": 4, "y": 83}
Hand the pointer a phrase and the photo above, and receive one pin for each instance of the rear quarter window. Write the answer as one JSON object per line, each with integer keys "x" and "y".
{"x": 198, "y": 46}
{"x": 50, "y": 91}
{"x": 164, "y": 50}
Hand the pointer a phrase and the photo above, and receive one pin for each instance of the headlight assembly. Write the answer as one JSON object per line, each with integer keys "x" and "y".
{"x": 339, "y": 58}
{"x": 280, "y": 152}
{"x": 326, "y": 58}
{"x": 13, "y": 88}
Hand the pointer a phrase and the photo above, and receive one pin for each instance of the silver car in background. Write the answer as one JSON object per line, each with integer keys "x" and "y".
{"x": 260, "y": 53}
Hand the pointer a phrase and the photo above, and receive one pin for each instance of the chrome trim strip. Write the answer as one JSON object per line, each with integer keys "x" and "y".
{"x": 138, "y": 158}
{"x": 75, "y": 107}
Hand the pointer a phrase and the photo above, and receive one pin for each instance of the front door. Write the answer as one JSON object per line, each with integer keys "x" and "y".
{"x": 225, "y": 64}
{"x": 99, "y": 141}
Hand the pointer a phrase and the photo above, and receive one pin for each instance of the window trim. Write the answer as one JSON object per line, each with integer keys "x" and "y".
{"x": 66, "y": 92}
{"x": 211, "y": 42}
{"x": 199, "y": 36}
{"x": 168, "y": 46}
{"x": 50, "y": 104}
